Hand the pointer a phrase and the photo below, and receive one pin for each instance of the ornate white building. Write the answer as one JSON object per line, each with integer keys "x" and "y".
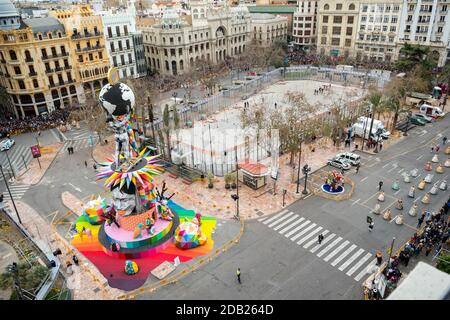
{"x": 173, "y": 43}
{"x": 268, "y": 28}
{"x": 305, "y": 24}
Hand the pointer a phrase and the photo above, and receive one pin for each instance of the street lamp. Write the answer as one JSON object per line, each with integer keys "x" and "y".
{"x": 14, "y": 270}
{"x": 306, "y": 169}
{"x": 408, "y": 118}
{"x": 10, "y": 195}
{"x": 10, "y": 165}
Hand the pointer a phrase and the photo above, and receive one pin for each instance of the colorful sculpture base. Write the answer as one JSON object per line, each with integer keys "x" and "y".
{"x": 189, "y": 235}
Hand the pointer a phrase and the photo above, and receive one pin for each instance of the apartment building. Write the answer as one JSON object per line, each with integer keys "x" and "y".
{"x": 36, "y": 67}
{"x": 268, "y": 28}
{"x": 336, "y": 28}
{"x": 378, "y": 29}
{"x": 87, "y": 45}
{"x": 305, "y": 25}
{"x": 426, "y": 22}
{"x": 173, "y": 44}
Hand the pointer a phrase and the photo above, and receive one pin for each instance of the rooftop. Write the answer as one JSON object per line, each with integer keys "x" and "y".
{"x": 273, "y": 9}
{"x": 7, "y": 9}
{"x": 44, "y": 25}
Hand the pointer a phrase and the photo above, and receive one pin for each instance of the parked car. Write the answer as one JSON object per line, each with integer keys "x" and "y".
{"x": 6, "y": 144}
{"x": 352, "y": 158}
{"x": 417, "y": 121}
{"x": 339, "y": 163}
{"x": 423, "y": 117}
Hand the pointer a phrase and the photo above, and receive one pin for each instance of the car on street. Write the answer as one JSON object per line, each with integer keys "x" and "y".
{"x": 421, "y": 116}
{"x": 6, "y": 144}
{"x": 339, "y": 163}
{"x": 352, "y": 158}
{"x": 417, "y": 121}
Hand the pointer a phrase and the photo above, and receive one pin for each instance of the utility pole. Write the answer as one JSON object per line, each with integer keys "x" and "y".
{"x": 365, "y": 127}
{"x": 211, "y": 150}
{"x": 390, "y": 251}
{"x": 298, "y": 169}
{"x": 10, "y": 195}
{"x": 10, "y": 165}
{"x": 14, "y": 270}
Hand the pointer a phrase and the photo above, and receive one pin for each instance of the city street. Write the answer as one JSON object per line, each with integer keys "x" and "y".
{"x": 279, "y": 257}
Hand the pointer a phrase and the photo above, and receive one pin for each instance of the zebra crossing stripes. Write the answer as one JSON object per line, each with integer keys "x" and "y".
{"x": 337, "y": 250}
{"x": 309, "y": 244}
{"x": 359, "y": 264}
{"x": 351, "y": 259}
{"x": 313, "y": 233}
{"x": 17, "y": 155}
{"x": 17, "y": 192}
{"x": 292, "y": 225}
{"x": 286, "y": 222}
{"x": 284, "y": 217}
{"x": 287, "y": 235}
{"x": 343, "y": 255}
{"x": 340, "y": 253}
{"x": 365, "y": 270}
{"x": 324, "y": 241}
{"x": 327, "y": 248}
{"x": 274, "y": 217}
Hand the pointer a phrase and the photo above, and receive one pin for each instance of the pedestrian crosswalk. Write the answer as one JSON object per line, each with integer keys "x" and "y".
{"x": 19, "y": 156}
{"x": 339, "y": 252}
{"x": 17, "y": 191}
{"x": 82, "y": 133}
{"x": 80, "y": 143}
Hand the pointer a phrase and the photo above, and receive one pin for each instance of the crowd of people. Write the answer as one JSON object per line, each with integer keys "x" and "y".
{"x": 435, "y": 235}
{"x": 11, "y": 126}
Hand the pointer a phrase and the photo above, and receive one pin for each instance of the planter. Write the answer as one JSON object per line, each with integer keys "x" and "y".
{"x": 233, "y": 185}
{"x": 210, "y": 185}
{"x": 227, "y": 186}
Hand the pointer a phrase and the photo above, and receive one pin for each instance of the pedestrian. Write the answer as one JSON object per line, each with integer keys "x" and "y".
{"x": 406, "y": 259}
{"x": 420, "y": 221}
{"x": 379, "y": 258}
{"x": 95, "y": 166}
{"x": 75, "y": 259}
{"x": 320, "y": 238}
{"x": 85, "y": 163}
{"x": 68, "y": 150}
{"x": 432, "y": 149}
{"x": 437, "y": 148}
{"x": 444, "y": 140}
{"x": 357, "y": 167}
{"x": 371, "y": 226}
{"x": 380, "y": 184}
{"x": 381, "y": 145}
{"x": 238, "y": 274}
{"x": 428, "y": 249}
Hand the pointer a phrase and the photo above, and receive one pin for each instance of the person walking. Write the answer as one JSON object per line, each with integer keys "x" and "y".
{"x": 95, "y": 166}
{"x": 380, "y": 184}
{"x": 428, "y": 249}
{"x": 437, "y": 148}
{"x": 420, "y": 220}
{"x": 85, "y": 163}
{"x": 444, "y": 140}
{"x": 357, "y": 167}
{"x": 320, "y": 238}
{"x": 379, "y": 257}
{"x": 238, "y": 275}
{"x": 371, "y": 224}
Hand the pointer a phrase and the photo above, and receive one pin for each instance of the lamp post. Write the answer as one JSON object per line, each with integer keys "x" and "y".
{"x": 235, "y": 197}
{"x": 10, "y": 165}
{"x": 408, "y": 119}
{"x": 14, "y": 270}
{"x": 306, "y": 169}
{"x": 10, "y": 195}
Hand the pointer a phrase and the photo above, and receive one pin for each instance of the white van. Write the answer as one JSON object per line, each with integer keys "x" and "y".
{"x": 431, "y": 111}
{"x": 353, "y": 158}
{"x": 365, "y": 122}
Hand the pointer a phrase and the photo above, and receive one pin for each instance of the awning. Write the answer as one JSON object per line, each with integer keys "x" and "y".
{"x": 254, "y": 169}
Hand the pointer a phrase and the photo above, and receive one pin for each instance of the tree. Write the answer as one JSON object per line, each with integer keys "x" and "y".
{"x": 444, "y": 263}
{"x": 166, "y": 122}
{"x": 412, "y": 56}
{"x": 29, "y": 277}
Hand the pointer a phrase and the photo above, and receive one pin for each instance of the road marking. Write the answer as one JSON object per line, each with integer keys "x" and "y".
{"x": 291, "y": 225}
{"x": 331, "y": 245}
{"x": 355, "y": 202}
{"x": 419, "y": 157}
{"x": 365, "y": 270}
{"x": 286, "y": 222}
{"x": 359, "y": 264}
{"x": 325, "y": 240}
{"x": 306, "y": 246}
{"x": 336, "y": 251}
{"x": 275, "y": 216}
{"x": 298, "y": 235}
{"x": 386, "y": 165}
{"x": 299, "y": 242}
{"x": 393, "y": 168}
{"x": 7, "y": 256}
{"x": 287, "y": 215}
{"x": 424, "y": 141}
{"x": 352, "y": 258}
{"x": 287, "y": 235}
{"x": 78, "y": 189}
{"x": 364, "y": 178}
{"x": 309, "y": 195}
{"x": 54, "y": 134}
{"x": 397, "y": 191}
{"x": 262, "y": 219}
{"x": 343, "y": 255}
{"x": 400, "y": 171}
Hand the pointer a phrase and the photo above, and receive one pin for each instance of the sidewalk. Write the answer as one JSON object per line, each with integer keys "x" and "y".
{"x": 87, "y": 282}
{"x": 253, "y": 204}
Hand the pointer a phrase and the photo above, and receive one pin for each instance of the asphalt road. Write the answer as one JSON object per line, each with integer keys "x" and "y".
{"x": 275, "y": 267}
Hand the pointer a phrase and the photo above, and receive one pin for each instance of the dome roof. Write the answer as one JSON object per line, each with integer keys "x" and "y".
{"x": 7, "y": 9}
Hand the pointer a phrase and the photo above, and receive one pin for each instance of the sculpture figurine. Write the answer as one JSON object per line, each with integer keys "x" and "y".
{"x": 406, "y": 178}
{"x": 399, "y": 205}
{"x": 395, "y": 185}
{"x": 426, "y": 198}
{"x": 435, "y": 159}
{"x": 428, "y": 166}
{"x": 447, "y": 163}
{"x": 399, "y": 219}
{"x": 411, "y": 192}
{"x": 429, "y": 178}
{"x": 434, "y": 189}
{"x": 377, "y": 209}
{"x": 413, "y": 210}
{"x": 131, "y": 267}
{"x": 440, "y": 168}
{"x": 443, "y": 185}
{"x": 414, "y": 172}
{"x": 447, "y": 150}
{"x": 421, "y": 185}
{"x": 387, "y": 215}
{"x": 381, "y": 196}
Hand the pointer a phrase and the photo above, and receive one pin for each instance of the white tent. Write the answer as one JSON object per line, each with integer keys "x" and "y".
{"x": 425, "y": 282}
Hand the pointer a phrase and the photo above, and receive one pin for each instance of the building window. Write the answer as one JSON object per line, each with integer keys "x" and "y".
{"x": 338, "y": 6}
{"x": 348, "y": 42}
{"x": 125, "y": 30}
{"x": 13, "y": 55}
{"x": 80, "y": 58}
{"x": 335, "y": 41}
{"x": 35, "y": 83}
{"x": 21, "y": 84}
{"x": 100, "y": 55}
{"x": 323, "y": 40}
{"x": 350, "y": 20}
{"x": 118, "y": 31}
{"x": 17, "y": 70}
{"x": 349, "y": 31}
{"x": 337, "y": 19}
{"x": 351, "y": 6}
{"x": 336, "y": 30}
{"x": 325, "y": 19}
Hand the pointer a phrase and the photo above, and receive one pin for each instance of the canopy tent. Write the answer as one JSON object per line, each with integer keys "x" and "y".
{"x": 425, "y": 282}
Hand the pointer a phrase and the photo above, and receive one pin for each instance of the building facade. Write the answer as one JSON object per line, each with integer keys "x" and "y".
{"x": 87, "y": 46}
{"x": 336, "y": 28}
{"x": 36, "y": 67}
{"x": 305, "y": 25}
{"x": 173, "y": 45}
{"x": 268, "y": 28}
{"x": 426, "y": 22}
{"x": 378, "y": 29}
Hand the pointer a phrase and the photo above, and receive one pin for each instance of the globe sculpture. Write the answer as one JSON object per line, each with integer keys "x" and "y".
{"x": 334, "y": 183}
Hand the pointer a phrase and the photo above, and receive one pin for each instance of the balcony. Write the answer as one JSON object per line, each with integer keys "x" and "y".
{"x": 87, "y": 49}
{"x": 67, "y": 67}
{"x": 29, "y": 59}
{"x": 60, "y": 84}
{"x": 32, "y": 74}
{"x": 14, "y": 62}
{"x": 58, "y": 69}
{"x": 55, "y": 56}
{"x": 49, "y": 70}
{"x": 18, "y": 76}
{"x": 87, "y": 35}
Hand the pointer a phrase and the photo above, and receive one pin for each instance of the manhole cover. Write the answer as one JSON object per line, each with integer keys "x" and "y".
{"x": 96, "y": 290}
{"x": 259, "y": 213}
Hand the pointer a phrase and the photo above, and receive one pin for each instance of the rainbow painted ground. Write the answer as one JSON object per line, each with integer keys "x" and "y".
{"x": 112, "y": 268}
